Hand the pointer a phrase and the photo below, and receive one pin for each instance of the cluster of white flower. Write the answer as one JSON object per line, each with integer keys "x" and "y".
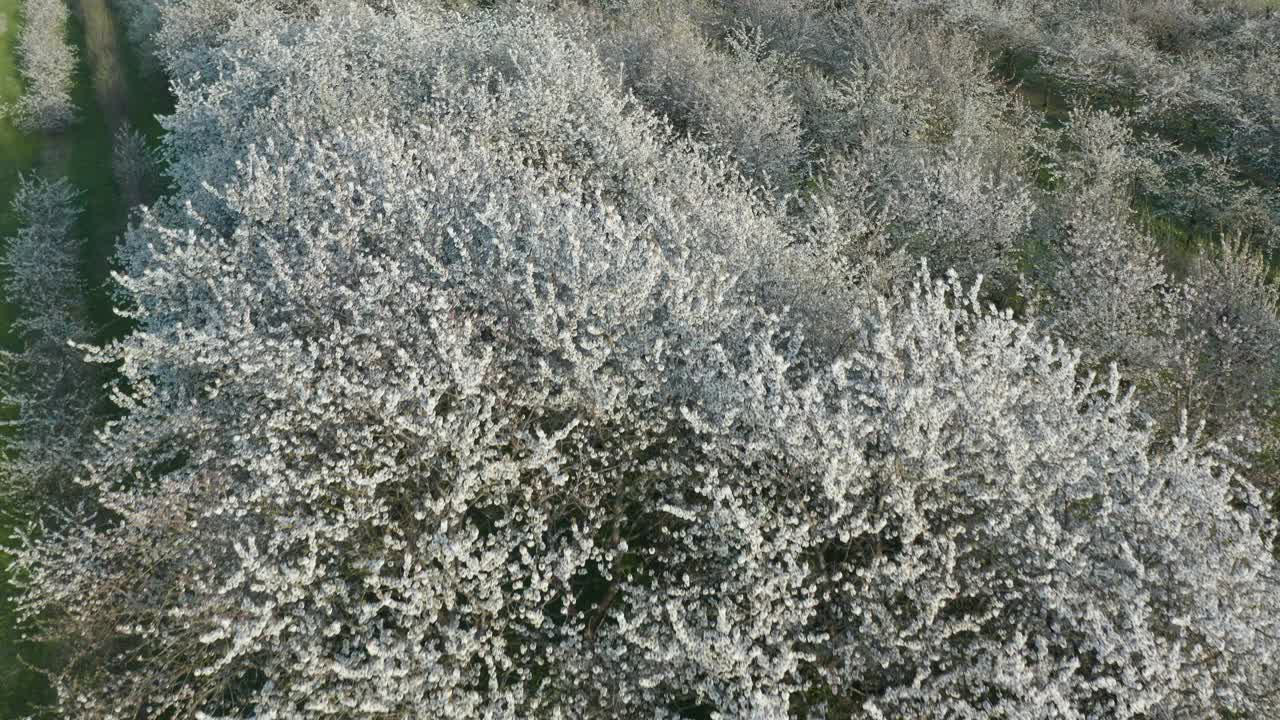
{"x": 46, "y": 381}
{"x": 737, "y": 99}
{"x": 463, "y": 384}
{"x": 1198, "y": 74}
{"x": 48, "y": 64}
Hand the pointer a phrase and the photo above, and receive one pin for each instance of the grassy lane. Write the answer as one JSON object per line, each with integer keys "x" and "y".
{"x": 89, "y": 169}
{"x": 112, "y": 92}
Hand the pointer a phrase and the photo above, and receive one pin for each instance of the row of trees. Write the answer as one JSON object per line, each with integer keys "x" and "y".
{"x": 505, "y": 363}
{"x": 134, "y": 165}
{"x": 1190, "y": 76}
{"x": 54, "y": 393}
{"x": 1194, "y": 76}
{"x": 48, "y": 65}
{"x": 890, "y": 136}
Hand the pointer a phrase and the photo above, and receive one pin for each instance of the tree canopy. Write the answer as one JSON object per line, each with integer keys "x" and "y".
{"x": 607, "y": 360}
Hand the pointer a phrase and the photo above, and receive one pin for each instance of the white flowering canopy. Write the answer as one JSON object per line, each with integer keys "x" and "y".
{"x": 461, "y": 388}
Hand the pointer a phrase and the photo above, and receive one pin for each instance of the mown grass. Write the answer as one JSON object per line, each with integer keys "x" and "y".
{"x": 149, "y": 95}
{"x": 89, "y": 169}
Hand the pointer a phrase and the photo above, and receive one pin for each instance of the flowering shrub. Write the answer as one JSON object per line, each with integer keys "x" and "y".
{"x": 461, "y": 386}
{"x": 46, "y": 381}
{"x": 736, "y": 99}
{"x": 48, "y": 63}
